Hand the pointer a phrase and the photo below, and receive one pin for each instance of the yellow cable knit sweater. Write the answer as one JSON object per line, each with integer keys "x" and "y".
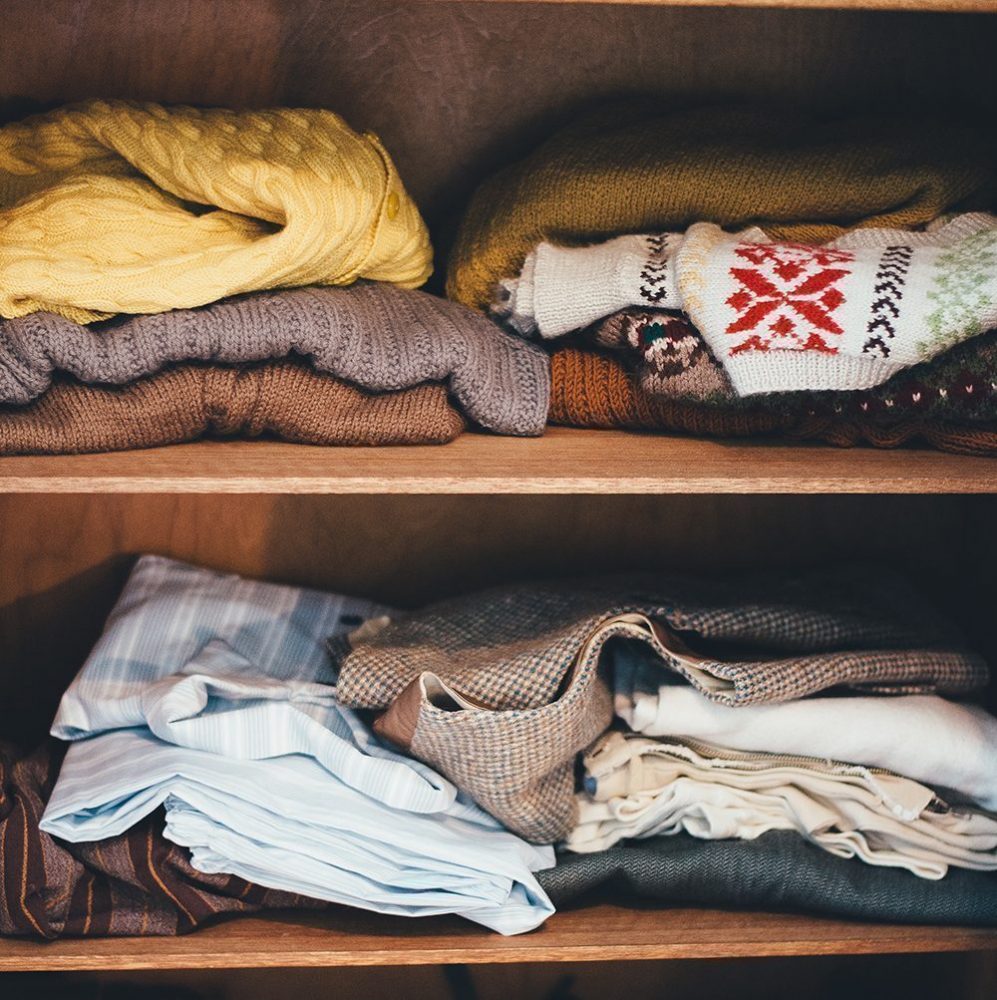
{"x": 121, "y": 207}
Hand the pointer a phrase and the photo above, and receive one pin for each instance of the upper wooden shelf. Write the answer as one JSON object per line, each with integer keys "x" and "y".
{"x": 562, "y": 461}
{"x": 968, "y": 6}
{"x": 604, "y": 932}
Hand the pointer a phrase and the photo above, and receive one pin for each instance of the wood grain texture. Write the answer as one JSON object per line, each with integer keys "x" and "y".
{"x": 564, "y": 460}
{"x": 64, "y": 558}
{"x": 886, "y": 977}
{"x": 456, "y": 89}
{"x": 595, "y": 933}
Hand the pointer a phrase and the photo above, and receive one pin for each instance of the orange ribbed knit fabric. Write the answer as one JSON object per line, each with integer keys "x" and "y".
{"x": 184, "y": 403}
{"x": 589, "y": 389}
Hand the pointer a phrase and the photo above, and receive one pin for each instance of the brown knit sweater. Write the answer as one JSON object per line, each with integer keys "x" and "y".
{"x": 591, "y": 389}
{"x": 282, "y": 398}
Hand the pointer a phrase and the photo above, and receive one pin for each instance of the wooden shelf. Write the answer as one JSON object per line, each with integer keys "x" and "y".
{"x": 563, "y": 461}
{"x": 604, "y": 932}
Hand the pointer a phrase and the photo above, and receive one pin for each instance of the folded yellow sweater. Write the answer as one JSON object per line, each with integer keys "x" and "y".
{"x": 121, "y": 207}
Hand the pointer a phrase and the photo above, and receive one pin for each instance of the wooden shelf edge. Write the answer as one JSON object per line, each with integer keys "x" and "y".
{"x": 562, "y": 461}
{"x": 590, "y": 934}
{"x": 475, "y": 487}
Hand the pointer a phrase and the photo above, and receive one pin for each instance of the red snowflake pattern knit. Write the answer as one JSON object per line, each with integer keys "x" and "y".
{"x": 787, "y": 298}
{"x": 782, "y": 317}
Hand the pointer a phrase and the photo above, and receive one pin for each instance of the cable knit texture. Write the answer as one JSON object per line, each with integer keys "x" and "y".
{"x": 376, "y": 336}
{"x": 118, "y": 206}
{"x": 636, "y": 168}
{"x": 593, "y": 389}
{"x": 187, "y": 402}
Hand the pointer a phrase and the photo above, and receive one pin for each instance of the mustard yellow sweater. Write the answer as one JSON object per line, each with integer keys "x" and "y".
{"x": 640, "y": 167}
{"x": 120, "y": 207}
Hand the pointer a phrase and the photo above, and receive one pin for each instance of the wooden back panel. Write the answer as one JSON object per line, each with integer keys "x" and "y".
{"x": 456, "y": 88}
{"x": 65, "y": 558}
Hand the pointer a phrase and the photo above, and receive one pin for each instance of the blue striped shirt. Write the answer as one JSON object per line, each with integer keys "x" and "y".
{"x": 211, "y": 695}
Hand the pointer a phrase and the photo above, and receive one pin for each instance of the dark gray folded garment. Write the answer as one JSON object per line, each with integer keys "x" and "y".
{"x": 778, "y": 871}
{"x": 374, "y": 335}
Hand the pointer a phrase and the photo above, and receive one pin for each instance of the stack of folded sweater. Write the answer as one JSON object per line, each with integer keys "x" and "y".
{"x": 169, "y": 273}
{"x": 848, "y": 298}
{"x": 753, "y": 740}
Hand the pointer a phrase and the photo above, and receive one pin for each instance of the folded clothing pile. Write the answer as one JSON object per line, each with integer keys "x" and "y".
{"x": 853, "y": 270}
{"x": 212, "y": 698}
{"x": 237, "y": 745}
{"x": 138, "y": 883}
{"x": 134, "y": 238}
{"x": 501, "y": 691}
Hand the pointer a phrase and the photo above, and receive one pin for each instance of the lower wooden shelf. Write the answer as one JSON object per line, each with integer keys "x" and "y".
{"x": 603, "y": 932}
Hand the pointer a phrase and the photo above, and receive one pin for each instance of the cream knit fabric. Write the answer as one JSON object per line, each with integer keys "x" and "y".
{"x": 638, "y": 787}
{"x": 561, "y": 289}
{"x": 780, "y": 317}
{"x": 117, "y": 206}
{"x": 784, "y": 316}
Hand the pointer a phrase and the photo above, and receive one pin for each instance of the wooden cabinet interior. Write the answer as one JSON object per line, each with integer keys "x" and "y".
{"x": 66, "y": 557}
{"x": 455, "y": 89}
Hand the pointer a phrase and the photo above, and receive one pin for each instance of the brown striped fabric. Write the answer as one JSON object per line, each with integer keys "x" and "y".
{"x": 135, "y": 884}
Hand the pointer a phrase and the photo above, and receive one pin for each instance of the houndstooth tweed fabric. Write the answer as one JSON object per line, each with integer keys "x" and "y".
{"x": 500, "y": 690}
{"x": 774, "y": 638}
{"x": 518, "y": 763}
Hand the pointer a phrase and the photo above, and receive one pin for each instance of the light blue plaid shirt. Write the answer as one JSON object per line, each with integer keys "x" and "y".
{"x": 211, "y": 695}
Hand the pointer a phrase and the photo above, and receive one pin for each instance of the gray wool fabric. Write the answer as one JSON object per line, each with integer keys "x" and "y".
{"x": 777, "y": 871}
{"x": 374, "y": 335}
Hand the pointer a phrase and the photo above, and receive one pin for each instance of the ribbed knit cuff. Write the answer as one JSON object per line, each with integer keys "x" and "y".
{"x": 574, "y": 287}
{"x": 793, "y": 371}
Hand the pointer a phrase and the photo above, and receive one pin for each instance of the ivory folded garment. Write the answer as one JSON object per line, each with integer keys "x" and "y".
{"x": 942, "y": 743}
{"x": 781, "y": 317}
{"x": 371, "y": 334}
{"x": 637, "y": 787}
{"x": 639, "y": 167}
{"x": 187, "y": 402}
{"x": 120, "y": 206}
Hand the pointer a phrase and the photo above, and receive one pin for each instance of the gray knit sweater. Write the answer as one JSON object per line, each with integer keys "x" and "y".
{"x": 375, "y": 335}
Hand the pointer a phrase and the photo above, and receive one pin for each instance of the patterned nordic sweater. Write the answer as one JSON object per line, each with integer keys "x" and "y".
{"x": 780, "y": 317}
